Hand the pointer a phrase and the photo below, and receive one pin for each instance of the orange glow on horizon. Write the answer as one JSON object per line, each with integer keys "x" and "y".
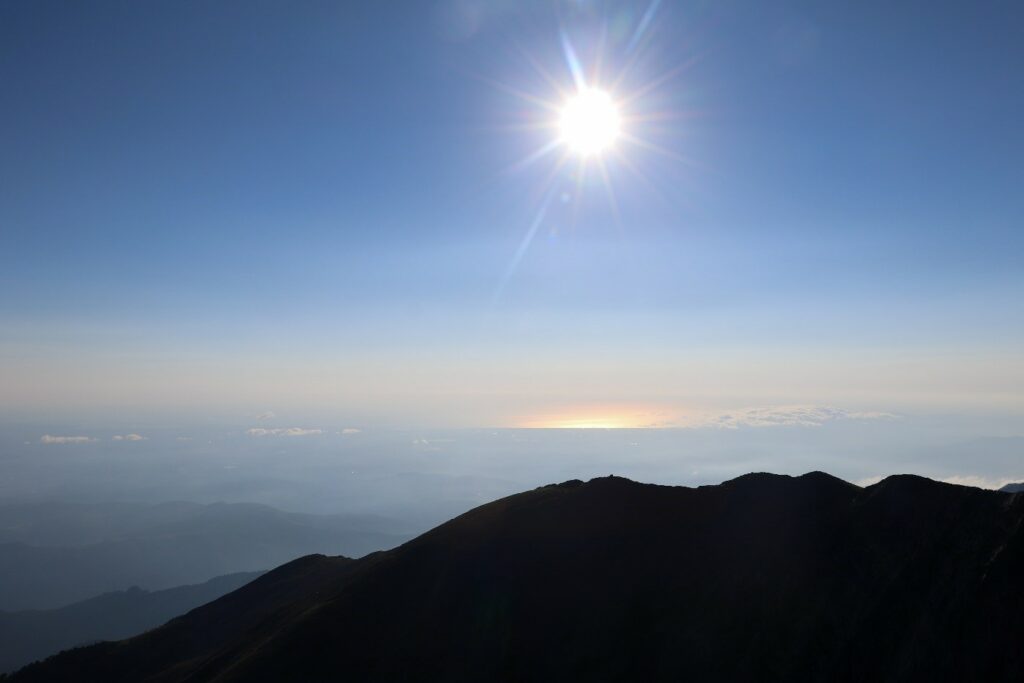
{"x": 593, "y": 418}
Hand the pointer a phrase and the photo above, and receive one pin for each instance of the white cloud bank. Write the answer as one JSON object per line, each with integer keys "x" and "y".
{"x": 50, "y": 439}
{"x": 130, "y": 437}
{"x": 284, "y": 431}
{"x": 350, "y": 430}
{"x": 958, "y": 479}
{"x": 782, "y": 416}
{"x": 981, "y": 482}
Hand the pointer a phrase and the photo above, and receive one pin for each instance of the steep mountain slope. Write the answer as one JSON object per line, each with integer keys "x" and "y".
{"x": 1013, "y": 488}
{"x": 205, "y": 636}
{"x": 34, "y": 634}
{"x": 161, "y": 546}
{"x": 761, "y": 578}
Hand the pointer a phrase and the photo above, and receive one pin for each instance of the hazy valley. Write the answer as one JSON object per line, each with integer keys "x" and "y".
{"x": 764, "y": 577}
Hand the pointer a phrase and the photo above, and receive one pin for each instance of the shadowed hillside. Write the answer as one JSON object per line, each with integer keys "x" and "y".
{"x": 762, "y": 578}
{"x": 33, "y": 634}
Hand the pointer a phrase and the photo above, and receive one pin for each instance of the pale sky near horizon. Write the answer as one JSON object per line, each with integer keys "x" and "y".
{"x": 332, "y": 211}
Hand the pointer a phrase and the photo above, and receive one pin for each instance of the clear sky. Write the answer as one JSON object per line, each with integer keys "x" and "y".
{"x": 337, "y": 212}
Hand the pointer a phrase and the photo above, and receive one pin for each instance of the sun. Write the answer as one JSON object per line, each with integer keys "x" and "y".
{"x": 589, "y": 122}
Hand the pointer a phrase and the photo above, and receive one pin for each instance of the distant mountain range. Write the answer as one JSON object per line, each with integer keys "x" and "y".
{"x": 52, "y": 555}
{"x": 762, "y": 578}
{"x": 34, "y": 634}
{"x": 1013, "y": 488}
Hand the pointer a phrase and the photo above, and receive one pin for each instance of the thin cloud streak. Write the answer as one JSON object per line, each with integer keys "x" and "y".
{"x": 50, "y": 439}
{"x": 283, "y": 431}
{"x": 990, "y": 483}
{"x": 783, "y": 416}
{"x": 129, "y": 437}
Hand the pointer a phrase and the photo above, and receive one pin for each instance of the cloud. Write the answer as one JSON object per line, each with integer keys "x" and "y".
{"x": 284, "y": 431}
{"x": 49, "y": 439}
{"x": 781, "y": 416}
{"x": 265, "y": 417}
{"x": 130, "y": 437}
{"x": 349, "y": 430}
{"x": 980, "y": 482}
{"x": 958, "y": 479}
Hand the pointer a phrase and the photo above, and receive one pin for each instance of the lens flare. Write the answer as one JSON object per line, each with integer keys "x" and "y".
{"x": 590, "y": 122}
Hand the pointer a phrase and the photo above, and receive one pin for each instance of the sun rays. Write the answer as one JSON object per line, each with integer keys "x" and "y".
{"x": 593, "y": 118}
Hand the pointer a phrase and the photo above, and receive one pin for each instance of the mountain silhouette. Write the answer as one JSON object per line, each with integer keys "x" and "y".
{"x": 762, "y": 578}
{"x": 32, "y": 634}
{"x": 1013, "y": 488}
{"x": 52, "y": 555}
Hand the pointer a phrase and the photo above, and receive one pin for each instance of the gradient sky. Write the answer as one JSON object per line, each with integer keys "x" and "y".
{"x": 216, "y": 210}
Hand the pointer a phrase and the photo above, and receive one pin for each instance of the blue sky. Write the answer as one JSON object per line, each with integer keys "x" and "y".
{"x": 208, "y": 211}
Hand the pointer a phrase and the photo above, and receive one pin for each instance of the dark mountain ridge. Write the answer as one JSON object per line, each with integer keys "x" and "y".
{"x": 762, "y": 578}
{"x": 33, "y": 634}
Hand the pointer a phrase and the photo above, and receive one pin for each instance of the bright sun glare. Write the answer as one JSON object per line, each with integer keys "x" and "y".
{"x": 590, "y": 122}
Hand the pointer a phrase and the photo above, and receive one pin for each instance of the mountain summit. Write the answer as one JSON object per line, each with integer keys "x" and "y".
{"x": 762, "y": 578}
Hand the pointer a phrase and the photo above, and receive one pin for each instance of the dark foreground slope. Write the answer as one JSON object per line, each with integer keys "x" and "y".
{"x": 761, "y": 578}
{"x": 33, "y": 634}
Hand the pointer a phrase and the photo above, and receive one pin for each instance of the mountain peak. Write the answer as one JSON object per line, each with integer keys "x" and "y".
{"x": 807, "y": 577}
